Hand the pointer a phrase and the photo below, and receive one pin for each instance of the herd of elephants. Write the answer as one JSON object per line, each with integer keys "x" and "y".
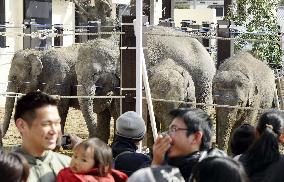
{"x": 179, "y": 68}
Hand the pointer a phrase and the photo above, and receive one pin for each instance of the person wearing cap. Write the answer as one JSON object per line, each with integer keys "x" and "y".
{"x": 130, "y": 130}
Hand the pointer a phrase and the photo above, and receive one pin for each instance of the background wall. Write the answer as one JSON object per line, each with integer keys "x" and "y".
{"x": 63, "y": 12}
{"x": 198, "y": 15}
{"x": 14, "y": 15}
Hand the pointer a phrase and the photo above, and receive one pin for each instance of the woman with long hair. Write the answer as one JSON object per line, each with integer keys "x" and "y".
{"x": 263, "y": 161}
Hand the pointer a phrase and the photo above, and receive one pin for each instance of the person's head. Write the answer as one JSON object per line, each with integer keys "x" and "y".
{"x": 91, "y": 153}
{"x": 13, "y": 167}
{"x": 219, "y": 169}
{"x": 38, "y": 121}
{"x": 242, "y": 138}
{"x": 131, "y": 126}
{"x": 190, "y": 130}
{"x": 265, "y": 149}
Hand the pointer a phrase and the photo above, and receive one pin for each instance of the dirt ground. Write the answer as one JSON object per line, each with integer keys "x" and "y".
{"x": 75, "y": 124}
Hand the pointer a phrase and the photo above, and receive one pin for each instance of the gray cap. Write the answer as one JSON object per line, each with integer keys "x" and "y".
{"x": 130, "y": 125}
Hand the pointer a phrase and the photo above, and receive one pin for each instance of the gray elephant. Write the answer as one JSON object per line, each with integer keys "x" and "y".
{"x": 170, "y": 81}
{"x": 242, "y": 81}
{"x": 51, "y": 71}
{"x": 184, "y": 57}
{"x": 97, "y": 72}
{"x": 187, "y": 52}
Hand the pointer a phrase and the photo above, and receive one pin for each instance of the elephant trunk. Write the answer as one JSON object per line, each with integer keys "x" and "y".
{"x": 225, "y": 118}
{"x": 9, "y": 106}
{"x": 86, "y": 105}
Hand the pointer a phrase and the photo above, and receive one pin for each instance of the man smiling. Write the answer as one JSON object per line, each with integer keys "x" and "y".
{"x": 38, "y": 121}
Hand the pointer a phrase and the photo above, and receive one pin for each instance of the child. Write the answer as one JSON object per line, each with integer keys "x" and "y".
{"x": 13, "y": 167}
{"x": 91, "y": 161}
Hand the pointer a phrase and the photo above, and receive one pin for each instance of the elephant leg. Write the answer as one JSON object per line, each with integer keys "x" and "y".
{"x": 203, "y": 93}
{"x": 115, "y": 112}
{"x": 103, "y": 123}
{"x": 63, "y": 108}
{"x": 1, "y": 136}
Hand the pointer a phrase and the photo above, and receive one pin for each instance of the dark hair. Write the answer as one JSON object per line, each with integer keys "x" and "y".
{"x": 102, "y": 154}
{"x": 265, "y": 150}
{"x": 13, "y": 167}
{"x": 242, "y": 138}
{"x": 27, "y": 104}
{"x": 219, "y": 169}
{"x": 196, "y": 120}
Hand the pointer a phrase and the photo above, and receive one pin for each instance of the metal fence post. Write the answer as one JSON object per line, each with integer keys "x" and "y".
{"x": 225, "y": 47}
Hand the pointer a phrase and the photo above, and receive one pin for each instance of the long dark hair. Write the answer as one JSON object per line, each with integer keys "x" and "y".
{"x": 265, "y": 150}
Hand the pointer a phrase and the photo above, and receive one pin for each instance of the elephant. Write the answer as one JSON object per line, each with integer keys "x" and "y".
{"x": 172, "y": 82}
{"x": 242, "y": 81}
{"x": 97, "y": 73}
{"x": 185, "y": 58}
{"x": 187, "y": 52}
{"x": 51, "y": 71}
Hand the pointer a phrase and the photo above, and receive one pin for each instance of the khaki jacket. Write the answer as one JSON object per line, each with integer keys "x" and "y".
{"x": 46, "y": 168}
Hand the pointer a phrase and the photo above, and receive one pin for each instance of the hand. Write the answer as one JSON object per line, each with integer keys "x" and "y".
{"x": 74, "y": 140}
{"x": 160, "y": 147}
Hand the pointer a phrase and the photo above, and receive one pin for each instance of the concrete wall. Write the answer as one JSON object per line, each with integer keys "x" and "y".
{"x": 198, "y": 15}
{"x": 63, "y": 12}
{"x": 155, "y": 11}
{"x": 14, "y": 15}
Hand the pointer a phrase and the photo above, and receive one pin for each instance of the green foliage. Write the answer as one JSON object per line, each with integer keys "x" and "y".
{"x": 258, "y": 16}
{"x": 182, "y": 6}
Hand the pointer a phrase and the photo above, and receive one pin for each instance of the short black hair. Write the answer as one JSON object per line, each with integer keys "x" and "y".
{"x": 242, "y": 138}
{"x": 219, "y": 169}
{"x": 196, "y": 120}
{"x": 27, "y": 104}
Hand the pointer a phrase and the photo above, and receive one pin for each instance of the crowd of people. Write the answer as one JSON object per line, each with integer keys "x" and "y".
{"x": 183, "y": 153}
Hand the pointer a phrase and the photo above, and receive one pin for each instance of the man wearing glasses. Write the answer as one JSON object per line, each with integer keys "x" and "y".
{"x": 186, "y": 142}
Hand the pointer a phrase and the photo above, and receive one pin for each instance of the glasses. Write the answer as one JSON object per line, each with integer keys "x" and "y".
{"x": 174, "y": 129}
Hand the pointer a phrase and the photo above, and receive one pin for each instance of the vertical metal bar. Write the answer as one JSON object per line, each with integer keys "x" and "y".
{"x": 138, "y": 33}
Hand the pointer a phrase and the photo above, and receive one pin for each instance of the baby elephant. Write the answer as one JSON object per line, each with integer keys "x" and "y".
{"x": 242, "y": 81}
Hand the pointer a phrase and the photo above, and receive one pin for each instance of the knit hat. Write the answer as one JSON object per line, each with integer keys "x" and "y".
{"x": 130, "y": 125}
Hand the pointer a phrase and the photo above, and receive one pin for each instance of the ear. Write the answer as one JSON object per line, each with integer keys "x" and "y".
{"x": 21, "y": 125}
{"x": 197, "y": 138}
{"x": 36, "y": 65}
{"x": 281, "y": 138}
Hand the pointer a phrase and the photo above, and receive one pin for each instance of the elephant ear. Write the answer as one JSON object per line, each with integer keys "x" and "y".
{"x": 36, "y": 65}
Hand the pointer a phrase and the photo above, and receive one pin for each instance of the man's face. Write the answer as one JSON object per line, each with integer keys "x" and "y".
{"x": 182, "y": 144}
{"x": 44, "y": 130}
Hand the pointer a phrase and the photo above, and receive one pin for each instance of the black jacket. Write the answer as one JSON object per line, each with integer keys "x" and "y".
{"x": 187, "y": 163}
{"x": 126, "y": 159}
{"x": 274, "y": 172}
